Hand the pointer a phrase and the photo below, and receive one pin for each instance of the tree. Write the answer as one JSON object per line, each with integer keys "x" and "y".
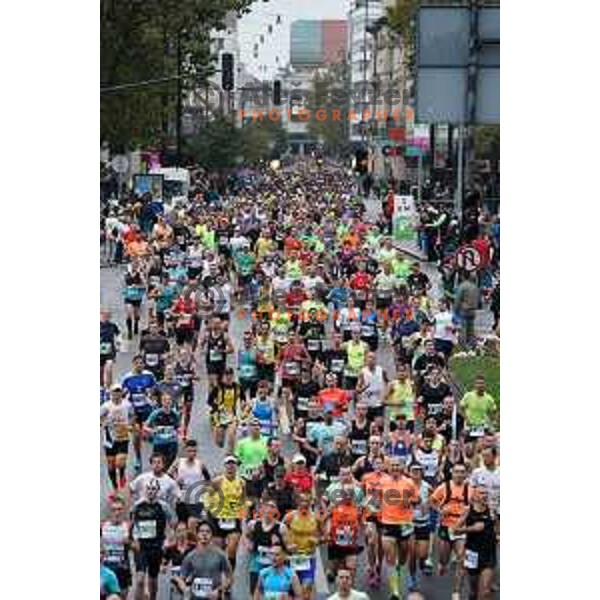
{"x": 263, "y": 140}
{"x": 217, "y": 146}
{"x": 143, "y": 40}
{"x": 331, "y": 91}
{"x": 487, "y": 142}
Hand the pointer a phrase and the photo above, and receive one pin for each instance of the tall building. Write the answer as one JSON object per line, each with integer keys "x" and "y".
{"x": 361, "y": 15}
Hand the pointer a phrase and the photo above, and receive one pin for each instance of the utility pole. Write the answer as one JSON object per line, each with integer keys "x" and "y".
{"x": 179, "y": 100}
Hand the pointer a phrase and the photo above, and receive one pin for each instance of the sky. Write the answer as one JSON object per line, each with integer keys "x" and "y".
{"x": 274, "y": 51}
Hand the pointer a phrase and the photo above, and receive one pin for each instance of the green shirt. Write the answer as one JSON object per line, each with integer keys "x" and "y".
{"x": 251, "y": 452}
{"x": 245, "y": 264}
{"x": 478, "y": 409}
{"x": 401, "y": 268}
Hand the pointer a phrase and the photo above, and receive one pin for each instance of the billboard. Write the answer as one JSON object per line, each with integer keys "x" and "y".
{"x": 317, "y": 42}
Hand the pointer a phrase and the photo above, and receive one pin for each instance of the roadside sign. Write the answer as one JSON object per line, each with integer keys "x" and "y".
{"x": 468, "y": 258}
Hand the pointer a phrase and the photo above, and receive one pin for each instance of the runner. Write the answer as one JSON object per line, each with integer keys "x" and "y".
{"x": 150, "y": 520}
{"x": 278, "y": 581}
{"x": 138, "y": 383}
{"x": 225, "y": 501}
{"x": 205, "y": 571}
{"x": 162, "y": 427}
{"x": 304, "y": 534}
{"x": 422, "y": 522}
{"x": 480, "y": 410}
{"x": 263, "y": 534}
{"x": 109, "y": 346}
{"x": 399, "y": 498}
{"x": 345, "y": 591}
{"x": 217, "y": 345}
{"x": 451, "y": 499}
{"x": 372, "y": 387}
{"x": 224, "y": 402}
{"x": 189, "y": 472}
{"x": 133, "y": 293}
{"x": 116, "y": 544}
{"x": 251, "y": 452}
{"x": 117, "y": 420}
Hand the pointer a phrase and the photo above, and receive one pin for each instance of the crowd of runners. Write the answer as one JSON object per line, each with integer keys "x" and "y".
{"x": 342, "y": 431}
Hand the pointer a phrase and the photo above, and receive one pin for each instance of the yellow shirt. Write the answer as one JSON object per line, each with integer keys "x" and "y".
{"x": 303, "y": 531}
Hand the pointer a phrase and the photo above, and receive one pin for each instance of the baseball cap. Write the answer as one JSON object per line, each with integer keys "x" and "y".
{"x": 115, "y": 387}
{"x": 230, "y": 459}
{"x": 298, "y": 458}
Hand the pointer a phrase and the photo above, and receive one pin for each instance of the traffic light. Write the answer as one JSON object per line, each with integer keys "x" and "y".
{"x": 227, "y": 71}
{"x": 277, "y": 93}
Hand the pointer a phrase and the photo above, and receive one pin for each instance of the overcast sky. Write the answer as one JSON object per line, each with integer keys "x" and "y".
{"x": 274, "y": 51}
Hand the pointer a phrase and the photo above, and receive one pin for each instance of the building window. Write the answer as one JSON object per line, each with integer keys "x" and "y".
{"x": 270, "y": 29}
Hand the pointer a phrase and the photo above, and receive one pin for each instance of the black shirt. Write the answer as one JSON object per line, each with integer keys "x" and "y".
{"x": 433, "y": 398}
{"x": 149, "y": 521}
{"x": 482, "y": 542}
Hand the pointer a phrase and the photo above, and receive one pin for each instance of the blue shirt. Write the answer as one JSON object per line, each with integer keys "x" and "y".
{"x": 166, "y": 424}
{"x": 138, "y": 385}
{"x": 338, "y": 296}
{"x": 276, "y": 580}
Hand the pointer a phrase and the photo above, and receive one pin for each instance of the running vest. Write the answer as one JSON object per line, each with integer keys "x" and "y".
{"x": 421, "y": 513}
{"x": 263, "y": 411}
{"x": 374, "y": 382}
{"x": 227, "y": 505}
{"x": 215, "y": 349}
{"x": 430, "y": 462}
{"x": 358, "y": 438}
{"x": 264, "y": 541}
{"x": 189, "y": 475}
{"x": 247, "y": 364}
{"x": 356, "y": 358}
{"x": 303, "y": 532}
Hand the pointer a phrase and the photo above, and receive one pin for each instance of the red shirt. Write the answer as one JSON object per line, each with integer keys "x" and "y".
{"x": 360, "y": 281}
{"x": 291, "y": 244}
{"x": 334, "y": 400}
{"x": 301, "y": 481}
{"x": 483, "y": 247}
{"x": 185, "y": 308}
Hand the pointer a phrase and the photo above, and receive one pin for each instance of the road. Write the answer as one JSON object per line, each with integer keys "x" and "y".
{"x": 110, "y": 297}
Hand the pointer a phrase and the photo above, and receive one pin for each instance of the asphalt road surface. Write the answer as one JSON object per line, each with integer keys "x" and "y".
{"x": 433, "y": 588}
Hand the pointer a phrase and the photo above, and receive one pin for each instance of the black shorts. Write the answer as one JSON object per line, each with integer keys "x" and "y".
{"x": 184, "y": 335}
{"x": 123, "y": 575}
{"x": 121, "y": 447}
{"x": 251, "y": 385}
{"x": 266, "y": 372}
{"x": 398, "y": 532}
{"x": 223, "y": 533}
{"x": 341, "y": 552}
{"x": 142, "y": 414}
{"x": 382, "y": 302}
{"x": 486, "y": 560}
{"x": 104, "y": 358}
{"x": 186, "y": 511}
{"x": 374, "y": 411}
{"x": 136, "y": 303}
{"x": 216, "y": 368}
{"x": 149, "y": 559}
{"x": 422, "y": 533}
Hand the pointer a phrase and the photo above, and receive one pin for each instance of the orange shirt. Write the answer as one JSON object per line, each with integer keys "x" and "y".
{"x": 455, "y": 506}
{"x": 137, "y": 248}
{"x": 398, "y": 498}
{"x": 344, "y": 525}
{"x": 335, "y": 400}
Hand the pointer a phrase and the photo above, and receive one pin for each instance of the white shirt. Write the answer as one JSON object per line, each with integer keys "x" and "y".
{"x": 490, "y": 480}
{"x": 169, "y": 491}
{"x": 443, "y": 323}
{"x": 354, "y": 595}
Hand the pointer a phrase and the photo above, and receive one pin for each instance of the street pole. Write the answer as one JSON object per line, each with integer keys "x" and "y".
{"x": 460, "y": 175}
{"x": 179, "y": 108}
{"x": 420, "y": 176}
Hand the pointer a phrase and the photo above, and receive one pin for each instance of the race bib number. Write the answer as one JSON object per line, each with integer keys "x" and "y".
{"x": 152, "y": 360}
{"x": 226, "y": 418}
{"x": 300, "y": 563}
{"x": 165, "y": 433}
{"x": 344, "y": 536}
{"x": 359, "y": 447}
{"x": 215, "y": 356}
{"x": 202, "y": 587}
{"x": 292, "y": 368}
{"x": 106, "y": 348}
{"x": 367, "y": 331}
{"x": 478, "y": 431}
{"x": 265, "y": 555}
{"x": 453, "y": 537}
{"x": 147, "y": 530}
{"x": 337, "y": 365}
{"x": 471, "y": 559}
{"x": 303, "y": 404}
{"x": 139, "y": 399}
{"x": 114, "y": 553}
{"x": 313, "y": 345}
{"x": 361, "y": 294}
{"x": 227, "y": 524}
{"x": 247, "y": 371}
